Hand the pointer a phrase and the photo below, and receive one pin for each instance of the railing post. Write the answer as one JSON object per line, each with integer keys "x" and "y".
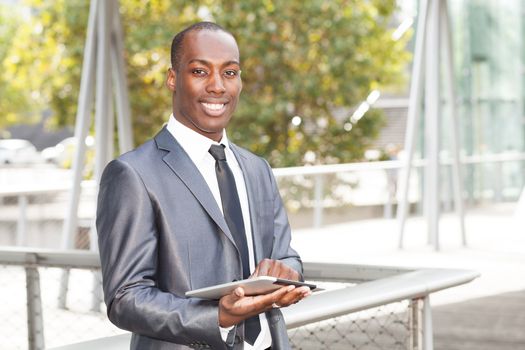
{"x": 416, "y": 325}
{"x": 498, "y": 182}
{"x": 391, "y": 190}
{"x": 35, "y": 322}
{"x": 64, "y": 286}
{"x": 428, "y": 343}
{"x": 21, "y": 227}
{"x": 318, "y": 200}
{"x": 387, "y": 209}
{"x": 447, "y": 188}
{"x": 97, "y": 297}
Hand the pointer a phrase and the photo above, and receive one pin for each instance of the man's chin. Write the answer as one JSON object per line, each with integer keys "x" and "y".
{"x": 213, "y": 132}
{"x": 213, "y": 125}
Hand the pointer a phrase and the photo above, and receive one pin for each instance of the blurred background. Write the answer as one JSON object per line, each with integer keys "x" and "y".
{"x": 326, "y": 95}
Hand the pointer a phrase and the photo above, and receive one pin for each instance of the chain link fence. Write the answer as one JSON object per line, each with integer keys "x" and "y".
{"x": 384, "y": 327}
{"x": 75, "y": 323}
{"x": 84, "y": 315}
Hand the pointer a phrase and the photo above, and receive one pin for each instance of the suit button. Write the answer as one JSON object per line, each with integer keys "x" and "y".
{"x": 237, "y": 340}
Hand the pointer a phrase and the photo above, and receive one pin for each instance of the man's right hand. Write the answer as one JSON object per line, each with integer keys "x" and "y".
{"x": 236, "y": 307}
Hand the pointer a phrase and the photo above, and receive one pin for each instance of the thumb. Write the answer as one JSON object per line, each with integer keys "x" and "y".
{"x": 239, "y": 292}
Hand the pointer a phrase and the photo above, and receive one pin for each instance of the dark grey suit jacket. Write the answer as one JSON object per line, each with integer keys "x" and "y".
{"x": 161, "y": 233}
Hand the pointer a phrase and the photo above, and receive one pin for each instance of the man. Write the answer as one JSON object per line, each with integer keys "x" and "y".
{"x": 188, "y": 210}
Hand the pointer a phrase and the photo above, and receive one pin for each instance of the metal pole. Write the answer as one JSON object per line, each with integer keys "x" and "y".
{"x": 35, "y": 322}
{"x": 414, "y": 109}
{"x": 125, "y": 135}
{"x": 105, "y": 150}
{"x": 432, "y": 123}
{"x": 83, "y": 121}
{"x": 103, "y": 87}
{"x": 21, "y": 227}
{"x": 110, "y": 127}
{"x": 318, "y": 200}
{"x": 416, "y": 325}
{"x": 457, "y": 179}
{"x": 498, "y": 183}
{"x": 447, "y": 190}
{"x": 391, "y": 179}
{"x": 97, "y": 295}
{"x": 519, "y": 212}
{"x": 85, "y": 102}
{"x": 103, "y": 116}
{"x": 428, "y": 342}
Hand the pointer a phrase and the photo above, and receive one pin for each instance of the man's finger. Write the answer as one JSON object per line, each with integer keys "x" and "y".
{"x": 277, "y": 269}
{"x": 294, "y": 296}
{"x": 269, "y": 299}
{"x": 239, "y": 292}
{"x": 263, "y": 267}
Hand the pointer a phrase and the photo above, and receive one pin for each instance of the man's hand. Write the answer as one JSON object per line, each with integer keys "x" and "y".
{"x": 236, "y": 307}
{"x": 275, "y": 268}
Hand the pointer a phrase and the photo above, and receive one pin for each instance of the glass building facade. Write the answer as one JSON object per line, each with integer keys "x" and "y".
{"x": 488, "y": 45}
{"x": 489, "y": 55}
{"x": 488, "y": 39}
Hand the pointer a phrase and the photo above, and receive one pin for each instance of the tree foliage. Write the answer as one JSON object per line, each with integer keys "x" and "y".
{"x": 299, "y": 58}
{"x": 14, "y": 98}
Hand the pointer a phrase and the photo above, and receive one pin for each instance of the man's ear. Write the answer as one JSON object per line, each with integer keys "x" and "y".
{"x": 171, "y": 79}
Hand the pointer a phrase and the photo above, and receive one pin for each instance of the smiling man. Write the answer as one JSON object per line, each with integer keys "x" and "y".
{"x": 189, "y": 209}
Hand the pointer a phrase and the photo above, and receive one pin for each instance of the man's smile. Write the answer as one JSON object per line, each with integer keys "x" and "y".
{"x": 214, "y": 109}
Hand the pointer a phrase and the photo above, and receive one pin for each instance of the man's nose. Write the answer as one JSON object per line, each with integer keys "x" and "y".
{"x": 216, "y": 84}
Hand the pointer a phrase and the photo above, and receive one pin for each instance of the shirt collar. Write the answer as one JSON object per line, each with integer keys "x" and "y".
{"x": 195, "y": 144}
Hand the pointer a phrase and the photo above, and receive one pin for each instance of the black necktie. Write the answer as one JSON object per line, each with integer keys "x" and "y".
{"x": 231, "y": 207}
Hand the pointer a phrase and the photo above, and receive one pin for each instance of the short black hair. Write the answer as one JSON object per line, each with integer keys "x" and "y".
{"x": 178, "y": 39}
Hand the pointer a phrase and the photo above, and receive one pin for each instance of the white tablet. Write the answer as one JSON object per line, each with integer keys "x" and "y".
{"x": 252, "y": 286}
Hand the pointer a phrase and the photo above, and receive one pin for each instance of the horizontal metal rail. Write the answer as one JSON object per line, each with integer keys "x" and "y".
{"x": 393, "y": 164}
{"x": 25, "y": 189}
{"x": 410, "y": 284}
{"x": 308, "y": 170}
{"x": 76, "y": 259}
{"x": 349, "y": 273}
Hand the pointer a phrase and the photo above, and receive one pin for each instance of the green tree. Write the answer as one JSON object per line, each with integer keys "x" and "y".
{"x": 14, "y": 98}
{"x": 307, "y": 58}
{"x": 299, "y": 58}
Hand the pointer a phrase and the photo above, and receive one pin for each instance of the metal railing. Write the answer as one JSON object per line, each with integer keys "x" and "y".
{"x": 317, "y": 176}
{"x": 319, "y": 172}
{"x": 24, "y": 189}
{"x": 376, "y": 286}
{"x": 357, "y": 288}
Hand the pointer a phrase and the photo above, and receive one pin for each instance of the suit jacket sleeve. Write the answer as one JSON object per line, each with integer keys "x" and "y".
{"x": 128, "y": 243}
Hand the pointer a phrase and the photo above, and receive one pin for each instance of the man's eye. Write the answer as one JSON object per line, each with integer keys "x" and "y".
{"x": 198, "y": 71}
{"x": 231, "y": 73}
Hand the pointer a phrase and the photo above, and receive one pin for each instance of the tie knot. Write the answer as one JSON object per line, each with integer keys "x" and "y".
{"x": 217, "y": 151}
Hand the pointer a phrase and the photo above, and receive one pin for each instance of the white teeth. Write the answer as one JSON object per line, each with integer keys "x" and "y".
{"x": 213, "y": 106}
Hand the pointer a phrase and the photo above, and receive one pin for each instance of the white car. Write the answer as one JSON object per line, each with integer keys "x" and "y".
{"x": 18, "y": 151}
{"x": 62, "y": 154}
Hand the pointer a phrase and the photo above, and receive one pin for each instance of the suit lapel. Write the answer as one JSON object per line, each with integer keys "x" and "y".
{"x": 253, "y": 193}
{"x": 185, "y": 169}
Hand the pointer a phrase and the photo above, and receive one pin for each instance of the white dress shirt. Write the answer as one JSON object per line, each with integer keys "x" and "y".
{"x": 197, "y": 146}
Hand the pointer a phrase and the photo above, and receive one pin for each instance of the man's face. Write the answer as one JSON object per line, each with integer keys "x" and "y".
{"x": 207, "y": 83}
